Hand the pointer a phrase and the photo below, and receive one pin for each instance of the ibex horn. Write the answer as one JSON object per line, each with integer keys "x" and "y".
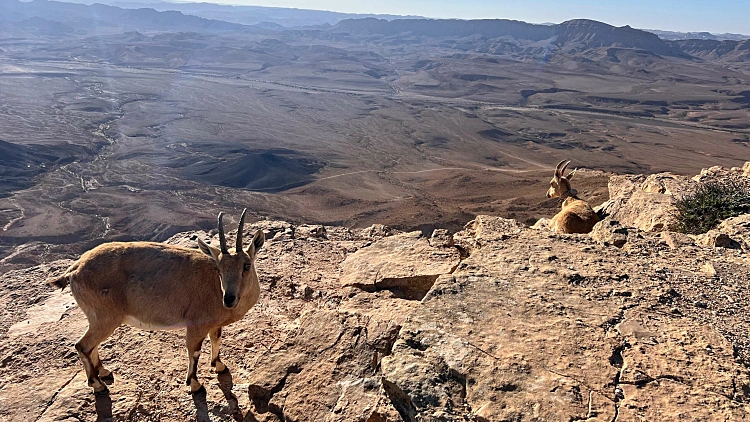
{"x": 239, "y": 231}
{"x": 557, "y": 169}
{"x": 561, "y": 167}
{"x": 222, "y": 238}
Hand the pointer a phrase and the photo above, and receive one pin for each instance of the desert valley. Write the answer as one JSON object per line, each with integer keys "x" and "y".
{"x": 112, "y": 131}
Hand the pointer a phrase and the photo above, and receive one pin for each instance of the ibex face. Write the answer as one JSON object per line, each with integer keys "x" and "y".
{"x": 559, "y": 185}
{"x": 236, "y": 271}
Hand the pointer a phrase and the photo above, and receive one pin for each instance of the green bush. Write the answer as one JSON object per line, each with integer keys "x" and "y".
{"x": 709, "y": 204}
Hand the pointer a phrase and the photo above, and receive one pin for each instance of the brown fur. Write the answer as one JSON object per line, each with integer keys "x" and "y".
{"x": 576, "y": 215}
{"x": 159, "y": 286}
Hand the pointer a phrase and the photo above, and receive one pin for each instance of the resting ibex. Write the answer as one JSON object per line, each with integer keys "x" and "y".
{"x": 576, "y": 215}
{"x": 156, "y": 286}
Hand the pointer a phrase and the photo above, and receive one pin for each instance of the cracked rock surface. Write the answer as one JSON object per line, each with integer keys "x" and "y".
{"x": 501, "y": 322}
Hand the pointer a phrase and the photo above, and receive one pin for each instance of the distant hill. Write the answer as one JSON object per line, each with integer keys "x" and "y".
{"x": 593, "y": 34}
{"x": 100, "y": 18}
{"x": 672, "y": 36}
{"x": 20, "y": 163}
{"x": 488, "y": 28}
{"x": 578, "y": 33}
{"x": 246, "y": 15}
{"x": 727, "y": 50}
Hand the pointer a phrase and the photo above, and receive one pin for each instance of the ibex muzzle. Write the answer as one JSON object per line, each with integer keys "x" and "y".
{"x": 156, "y": 286}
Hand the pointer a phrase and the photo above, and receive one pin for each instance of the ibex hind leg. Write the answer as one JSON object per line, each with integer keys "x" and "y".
{"x": 193, "y": 343}
{"x": 87, "y": 348}
{"x": 104, "y": 373}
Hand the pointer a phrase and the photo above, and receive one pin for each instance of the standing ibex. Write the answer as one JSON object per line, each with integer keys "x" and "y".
{"x": 156, "y": 286}
{"x": 576, "y": 215}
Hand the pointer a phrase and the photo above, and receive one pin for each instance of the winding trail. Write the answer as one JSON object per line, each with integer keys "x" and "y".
{"x": 20, "y": 217}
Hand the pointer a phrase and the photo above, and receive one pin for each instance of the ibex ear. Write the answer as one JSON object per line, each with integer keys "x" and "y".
{"x": 570, "y": 175}
{"x": 208, "y": 250}
{"x": 258, "y": 240}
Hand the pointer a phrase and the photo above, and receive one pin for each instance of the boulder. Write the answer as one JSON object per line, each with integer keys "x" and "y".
{"x": 326, "y": 371}
{"x": 738, "y": 229}
{"x": 676, "y": 240}
{"x": 716, "y": 239}
{"x": 542, "y": 224}
{"x": 307, "y": 231}
{"x": 376, "y": 231}
{"x": 406, "y": 264}
{"x": 610, "y": 232}
{"x": 441, "y": 238}
{"x": 644, "y": 202}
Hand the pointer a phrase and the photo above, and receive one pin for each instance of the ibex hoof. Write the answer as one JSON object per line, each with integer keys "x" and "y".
{"x": 196, "y": 387}
{"x": 219, "y": 367}
{"x": 102, "y": 392}
{"x": 106, "y": 375}
{"x": 200, "y": 390}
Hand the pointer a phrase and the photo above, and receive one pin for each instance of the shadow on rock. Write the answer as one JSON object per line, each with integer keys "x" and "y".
{"x": 226, "y": 383}
{"x": 103, "y": 407}
{"x": 201, "y": 407}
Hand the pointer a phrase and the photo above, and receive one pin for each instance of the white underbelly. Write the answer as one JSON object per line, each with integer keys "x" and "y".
{"x": 135, "y": 322}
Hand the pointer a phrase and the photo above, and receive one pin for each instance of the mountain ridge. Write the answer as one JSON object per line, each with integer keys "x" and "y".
{"x": 71, "y": 19}
{"x": 118, "y": 18}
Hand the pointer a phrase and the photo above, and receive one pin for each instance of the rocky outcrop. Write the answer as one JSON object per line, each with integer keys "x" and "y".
{"x": 644, "y": 202}
{"x": 406, "y": 264}
{"x": 496, "y": 322}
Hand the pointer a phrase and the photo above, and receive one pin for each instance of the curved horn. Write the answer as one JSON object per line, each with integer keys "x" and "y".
{"x": 557, "y": 169}
{"x": 239, "y": 231}
{"x": 562, "y": 170}
{"x": 222, "y": 238}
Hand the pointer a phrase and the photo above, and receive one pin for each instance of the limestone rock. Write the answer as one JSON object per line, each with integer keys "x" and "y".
{"x": 653, "y": 358}
{"x": 188, "y": 239}
{"x": 325, "y": 372}
{"x": 441, "y": 238}
{"x": 737, "y": 229}
{"x": 676, "y": 240}
{"x": 716, "y": 239}
{"x": 486, "y": 228}
{"x": 275, "y": 231}
{"x": 746, "y": 169}
{"x": 376, "y": 231}
{"x": 405, "y": 264}
{"x": 644, "y": 202}
{"x": 542, "y": 224}
{"x": 306, "y": 231}
{"x": 610, "y": 232}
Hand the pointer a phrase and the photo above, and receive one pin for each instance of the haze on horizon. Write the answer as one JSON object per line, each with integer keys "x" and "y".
{"x": 720, "y": 16}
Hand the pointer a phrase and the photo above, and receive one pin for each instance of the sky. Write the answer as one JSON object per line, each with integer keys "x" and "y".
{"x": 717, "y": 16}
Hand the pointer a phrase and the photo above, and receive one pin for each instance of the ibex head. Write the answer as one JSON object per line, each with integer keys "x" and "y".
{"x": 236, "y": 271}
{"x": 560, "y": 185}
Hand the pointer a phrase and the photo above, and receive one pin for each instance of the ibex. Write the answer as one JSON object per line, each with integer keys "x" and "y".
{"x": 576, "y": 215}
{"x": 155, "y": 286}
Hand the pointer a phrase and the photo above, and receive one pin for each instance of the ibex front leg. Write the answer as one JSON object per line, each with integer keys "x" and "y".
{"x": 215, "y": 336}
{"x": 194, "y": 341}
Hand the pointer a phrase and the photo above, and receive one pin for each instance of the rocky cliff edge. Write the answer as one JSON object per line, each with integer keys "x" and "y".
{"x": 498, "y": 322}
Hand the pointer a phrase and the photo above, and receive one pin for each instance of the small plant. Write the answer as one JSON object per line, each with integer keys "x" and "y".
{"x": 709, "y": 204}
